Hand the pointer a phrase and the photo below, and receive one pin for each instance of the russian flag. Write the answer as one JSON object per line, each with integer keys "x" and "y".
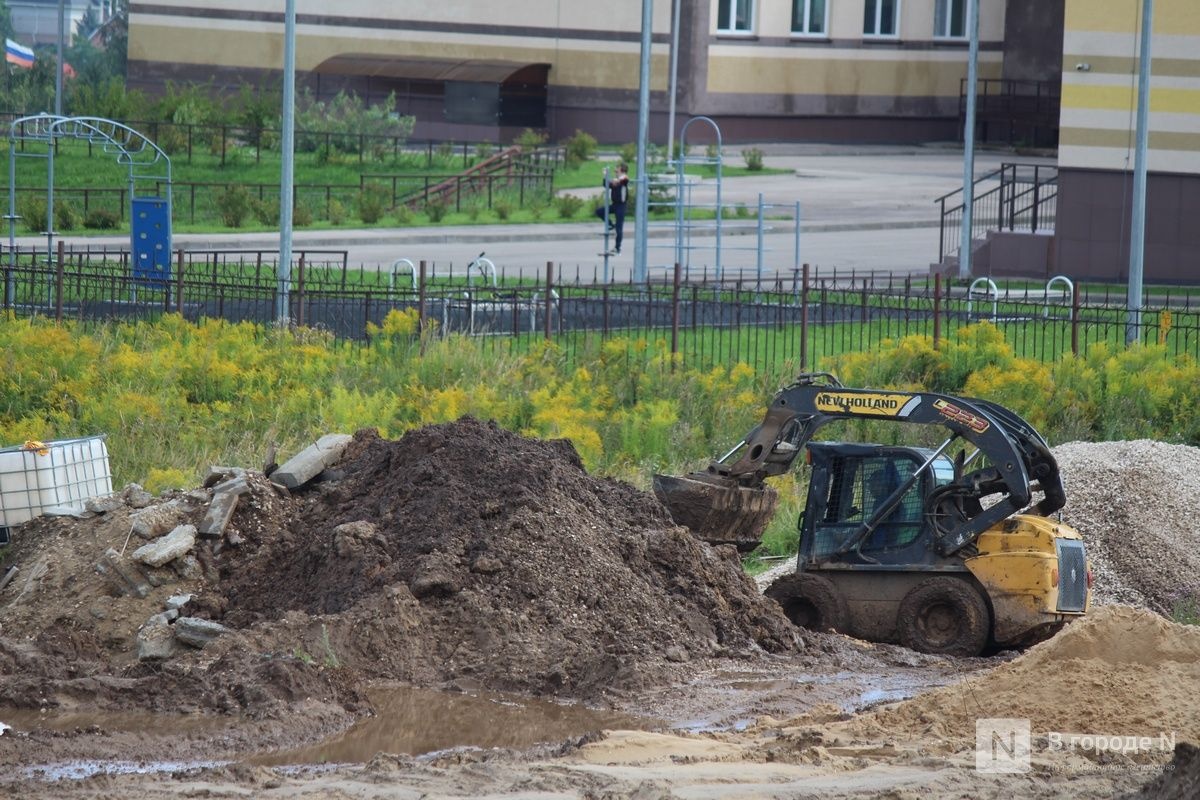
{"x": 17, "y": 54}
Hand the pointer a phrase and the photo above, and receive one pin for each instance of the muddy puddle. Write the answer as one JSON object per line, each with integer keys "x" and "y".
{"x": 419, "y": 721}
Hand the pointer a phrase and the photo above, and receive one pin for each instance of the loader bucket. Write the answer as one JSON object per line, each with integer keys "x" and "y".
{"x": 716, "y": 509}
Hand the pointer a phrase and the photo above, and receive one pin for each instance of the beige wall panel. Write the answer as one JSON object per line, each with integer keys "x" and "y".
{"x": 609, "y": 65}
{"x": 1082, "y": 157}
{"x": 1101, "y": 119}
{"x": 1173, "y": 16}
{"x": 841, "y": 73}
{"x": 1124, "y": 45}
{"x": 538, "y": 13}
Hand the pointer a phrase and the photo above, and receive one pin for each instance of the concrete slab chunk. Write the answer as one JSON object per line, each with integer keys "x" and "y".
{"x": 220, "y": 511}
{"x": 167, "y": 548}
{"x": 197, "y": 632}
{"x": 308, "y": 463}
{"x": 125, "y": 578}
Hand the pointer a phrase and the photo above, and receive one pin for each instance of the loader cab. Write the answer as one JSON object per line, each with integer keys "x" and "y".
{"x": 849, "y": 484}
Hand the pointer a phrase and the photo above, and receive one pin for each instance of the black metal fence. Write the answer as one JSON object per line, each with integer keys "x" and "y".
{"x": 792, "y": 320}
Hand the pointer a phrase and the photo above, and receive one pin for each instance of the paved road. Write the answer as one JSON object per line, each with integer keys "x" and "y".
{"x": 861, "y": 208}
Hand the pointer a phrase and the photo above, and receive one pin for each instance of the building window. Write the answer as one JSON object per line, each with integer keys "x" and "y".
{"x": 950, "y": 19}
{"x": 735, "y": 16}
{"x": 881, "y": 17}
{"x": 810, "y": 17}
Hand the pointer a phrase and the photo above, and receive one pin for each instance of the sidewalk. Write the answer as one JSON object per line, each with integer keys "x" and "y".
{"x": 884, "y": 194}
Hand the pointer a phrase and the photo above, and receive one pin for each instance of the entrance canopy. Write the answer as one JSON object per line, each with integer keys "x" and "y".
{"x": 473, "y": 91}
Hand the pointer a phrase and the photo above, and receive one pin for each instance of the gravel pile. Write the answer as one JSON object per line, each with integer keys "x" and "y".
{"x": 1137, "y": 505}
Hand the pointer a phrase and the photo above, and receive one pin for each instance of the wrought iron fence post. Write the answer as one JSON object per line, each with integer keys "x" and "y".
{"x": 421, "y": 307}
{"x": 804, "y": 317}
{"x": 937, "y": 309}
{"x": 179, "y": 281}
{"x": 1075, "y": 320}
{"x": 300, "y": 292}
{"x": 675, "y": 315}
{"x": 58, "y": 283}
{"x": 549, "y": 289}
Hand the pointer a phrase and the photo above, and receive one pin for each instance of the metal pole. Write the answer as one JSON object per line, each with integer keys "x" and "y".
{"x": 282, "y": 310}
{"x": 640, "y": 269}
{"x": 58, "y": 75}
{"x": 1137, "y": 234}
{"x": 672, "y": 89}
{"x": 964, "y": 254}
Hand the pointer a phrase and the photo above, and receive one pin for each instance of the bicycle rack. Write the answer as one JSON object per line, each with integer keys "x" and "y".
{"x": 1050, "y": 283}
{"x": 992, "y": 291}
{"x": 412, "y": 270}
{"x": 484, "y": 265}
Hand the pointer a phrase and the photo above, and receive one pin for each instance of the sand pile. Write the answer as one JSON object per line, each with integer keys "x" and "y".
{"x": 1137, "y": 505}
{"x": 1118, "y": 671}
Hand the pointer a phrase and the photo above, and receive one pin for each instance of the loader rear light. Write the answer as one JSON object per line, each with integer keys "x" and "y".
{"x": 1089, "y": 578}
{"x": 1054, "y": 576}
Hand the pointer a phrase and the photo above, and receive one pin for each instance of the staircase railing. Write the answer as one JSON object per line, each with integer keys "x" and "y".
{"x": 1015, "y": 197}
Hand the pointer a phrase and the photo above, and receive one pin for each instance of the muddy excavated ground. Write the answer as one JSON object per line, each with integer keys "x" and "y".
{"x": 464, "y": 612}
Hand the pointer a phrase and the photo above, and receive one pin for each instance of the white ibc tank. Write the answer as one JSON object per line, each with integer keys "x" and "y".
{"x": 62, "y": 473}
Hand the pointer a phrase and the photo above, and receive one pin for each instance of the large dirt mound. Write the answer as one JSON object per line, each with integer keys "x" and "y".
{"x": 1136, "y": 504}
{"x": 459, "y": 554}
{"x": 1118, "y": 671}
{"x": 500, "y": 560}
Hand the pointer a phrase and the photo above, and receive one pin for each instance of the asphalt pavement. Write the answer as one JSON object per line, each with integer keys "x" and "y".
{"x": 860, "y": 208}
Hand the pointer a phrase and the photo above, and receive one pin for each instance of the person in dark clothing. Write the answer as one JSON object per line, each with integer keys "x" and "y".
{"x": 618, "y": 195}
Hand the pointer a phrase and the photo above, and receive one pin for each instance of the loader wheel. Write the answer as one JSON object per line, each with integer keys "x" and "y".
{"x": 810, "y": 601}
{"x": 946, "y": 616}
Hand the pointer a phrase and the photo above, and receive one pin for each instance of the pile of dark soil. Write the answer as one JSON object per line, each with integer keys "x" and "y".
{"x": 466, "y": 553}
{"x": 460, "y": 555}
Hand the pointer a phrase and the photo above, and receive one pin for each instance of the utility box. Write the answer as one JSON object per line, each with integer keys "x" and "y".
{"x": 37, "y": 476}
{"x": 151, "y": 239}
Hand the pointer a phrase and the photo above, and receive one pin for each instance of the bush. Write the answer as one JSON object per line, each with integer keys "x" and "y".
{"x": 629, "y": 153}
{"x": 503, "y": 209}
{"x": 435, "y": 209}
{"x": 372, "y": 202}
{"x": 67, "y": 216}
{"x": 754, "y": 159}
{"x": 350, "y": 122}
{"x": 101, "y": 219}
{"x": 568, "y": 205}
{"x": 404, "y": 215}
{"x": 233, "y": 204}
{"x": 302, "y": 215}
{"x": 531, "y": 139}
{"x": 267, "y": 211}
{"x": 337, "y": 211}
{"x": 32, "y": 210}
{"x": 579, "y": 148}
{"x": 483, "y": 151}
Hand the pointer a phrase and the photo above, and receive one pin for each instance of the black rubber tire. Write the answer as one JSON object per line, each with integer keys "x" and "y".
{"x": 810, "y": 601}
{"x": 944, "y": 616}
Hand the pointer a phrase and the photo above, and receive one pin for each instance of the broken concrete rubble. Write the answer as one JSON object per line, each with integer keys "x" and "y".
{"x": 156, "y": 640}
{"x": 224, "y": 503}
{"x": 153, "y": 521}
{"x": 197, "y": 632}
{"x": 135, "y": 496}
{"x": 123, "y": 578}
{"x": 310, "y": 462}
{"x": 167, "y": 548}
